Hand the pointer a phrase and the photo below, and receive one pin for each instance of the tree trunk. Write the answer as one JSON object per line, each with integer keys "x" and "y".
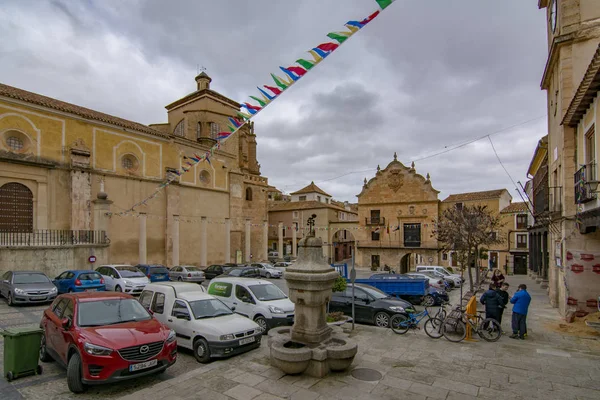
{"x": 477, "y": 266}
{"x": 469, "y": 258}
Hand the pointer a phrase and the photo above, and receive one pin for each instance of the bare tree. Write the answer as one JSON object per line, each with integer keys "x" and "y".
{"x": 465, "y": 230}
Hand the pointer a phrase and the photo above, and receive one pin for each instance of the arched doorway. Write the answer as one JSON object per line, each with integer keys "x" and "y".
{"x": 408, "y": 262}
{"x": 16, "y": 208}
{"x": 342, "y": 243}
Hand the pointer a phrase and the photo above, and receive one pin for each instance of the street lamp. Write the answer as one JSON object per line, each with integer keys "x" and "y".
{"x": 592, "y": 186}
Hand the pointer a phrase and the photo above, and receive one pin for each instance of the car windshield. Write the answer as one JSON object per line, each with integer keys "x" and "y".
{"x": 90, "y": 276}
{"x": 192, "y": 269}
{"x": 30, "y": 278}
{"x": 234, "y": 272}
{"x": 267, "y": 292}
{"x": 209, "y": 308}
{"x": 443, "y": 272}
{"x": 159, "y": 270}
{"x": 110, "y": 312}
{"x": 378, "y": 294}
{"x": 130, "y": 272}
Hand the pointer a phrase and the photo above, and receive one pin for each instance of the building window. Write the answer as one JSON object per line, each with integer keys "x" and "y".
{"x": 375, "y": 235}
{"x": 459, "y": 206}
{"x": 590, "y": 154}
{"x": 295, "y": 214}
{"x": 522, "y": 221}
{"x": 283, "y": 231}
{"x": 375, "y": 261}
{"x": 180, "y": 129}
{"x": 214, "y": 130}
{"x": 521, "y": 241}
{"x": 204, "y": 177}
{"x": 16, "y": 208}
{"x": 412, "y": 235}
{"x": 249, "y": 194}
{"x": 302, "y": 198}
{"x": 375, "y": 216}
{"x": 494, "y": 235}
{"x": 199, "y": 130}
{"x": 445, "y": 256}
{"x": 319, "y": 199}
{"x": 14, "y": 143}
{"x": 129, "y": 163}
{"x": 326, "y": 200}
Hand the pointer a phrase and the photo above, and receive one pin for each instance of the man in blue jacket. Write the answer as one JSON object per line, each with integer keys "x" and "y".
{"x": 493, "y": 303}
{"x": 521, "y": 301}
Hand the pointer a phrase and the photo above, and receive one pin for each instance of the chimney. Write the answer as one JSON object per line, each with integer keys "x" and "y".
{"x": 203, "y": 81}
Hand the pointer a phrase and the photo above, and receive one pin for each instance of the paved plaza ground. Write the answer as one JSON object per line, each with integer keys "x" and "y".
{"x": 548, "y": 365}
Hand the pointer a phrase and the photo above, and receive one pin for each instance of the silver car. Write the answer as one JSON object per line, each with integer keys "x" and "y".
{"x": 21, "y": 287}
{"x": 186, "y": 273}
{"x": 267, "y": 270}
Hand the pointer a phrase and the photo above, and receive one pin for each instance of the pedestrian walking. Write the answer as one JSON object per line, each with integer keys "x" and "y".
{"x": 497, "y": 278}
{"x": 520, "y": 302}
{"x": 492, "y": 301}
{"x": 503, "y": 292}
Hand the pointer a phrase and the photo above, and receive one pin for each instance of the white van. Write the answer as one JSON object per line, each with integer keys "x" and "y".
{"x": 201, "y": 322}
{"x": 257, "y": 299}
{"x": 441, "y": 270}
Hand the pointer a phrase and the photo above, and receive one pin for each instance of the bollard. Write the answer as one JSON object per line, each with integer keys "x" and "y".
{"x": 471, "y": 310}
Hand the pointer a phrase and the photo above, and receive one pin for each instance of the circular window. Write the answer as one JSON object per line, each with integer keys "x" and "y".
{"x": 129, "y": 163}
{"x": 14, "y": 143}
{"x": 204, "y": 177}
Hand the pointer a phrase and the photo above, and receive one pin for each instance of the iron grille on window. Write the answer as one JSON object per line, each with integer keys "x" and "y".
{"x": 14, "y": 143}
{"x": 412, "y": 235}
{"x": 16, "y": 208}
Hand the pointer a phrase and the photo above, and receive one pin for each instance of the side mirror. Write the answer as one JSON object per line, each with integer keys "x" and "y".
{"x": 180, "y": 315}
{"x": 66, "y": 323}
{"x": 232, "y": 308}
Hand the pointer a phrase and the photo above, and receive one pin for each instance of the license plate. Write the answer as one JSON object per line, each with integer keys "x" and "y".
{"x": 247, "y": 340}
{"x": 144, "y": 365}
{"x": 90, "y": 290}
{"x": 37, "y": 297}
{"x": 160, "y": 276}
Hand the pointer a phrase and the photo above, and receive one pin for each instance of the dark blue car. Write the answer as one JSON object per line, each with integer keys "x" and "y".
{"x": 154, "y": 272}
{"x": 79, "y": 281}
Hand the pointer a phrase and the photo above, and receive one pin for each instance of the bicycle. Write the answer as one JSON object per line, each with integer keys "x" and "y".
{"x": 441, "y": 313}
{"x": 400, "y": 324}
{"x": 455, "y": 328}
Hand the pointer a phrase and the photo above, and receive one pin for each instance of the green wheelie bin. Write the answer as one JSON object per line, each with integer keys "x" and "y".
{"x": 21, "y": 351}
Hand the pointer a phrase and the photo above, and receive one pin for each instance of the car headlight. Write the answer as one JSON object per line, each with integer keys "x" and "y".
{"x": 227, "y": 337}
{"x": 171, "y": 336}
{"x": 397, "y": 308}
{"x": 276, "y": 310}
{"x": 127, "y": 283}
{"x": 19, "y": 291}
{"x": 53, "y": 290}
{"x": 96, "y": 350}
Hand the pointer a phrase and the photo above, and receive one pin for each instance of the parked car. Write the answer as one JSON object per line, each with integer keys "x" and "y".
{"x": 104, "y": 337}
{"x": 201, "y": 322}
{"x": 371, "y": 305}
{"x": 123, "y": 278}
{"x": 433, "y": 280}
{"x": 20, "y": 287}
{"x": 267, "y": 270}
{"x": 186, "y": 273}
{"x": 79, "y": 281}
{"x": 442, "y": 270}
{"x": 273, "y": 256}
{"x": 215, "y": 270}
{"x": 257, "y": 299}
{"x": 451, "y": 280}
{"x": 243, "y": 272}
{"x": 154, "y": 272}
{"x": 282, "y": 266}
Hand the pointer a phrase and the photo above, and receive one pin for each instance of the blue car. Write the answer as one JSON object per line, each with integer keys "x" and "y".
{"x": 79, "y": 281}
{"x": 154, "y": 272}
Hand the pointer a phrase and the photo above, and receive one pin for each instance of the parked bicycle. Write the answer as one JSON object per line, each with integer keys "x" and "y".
{"x": 454, "y": 327}
{"x": 400, "y": 323}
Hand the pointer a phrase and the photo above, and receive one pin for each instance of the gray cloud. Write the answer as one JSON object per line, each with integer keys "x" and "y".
{"x": 423, "y": 77}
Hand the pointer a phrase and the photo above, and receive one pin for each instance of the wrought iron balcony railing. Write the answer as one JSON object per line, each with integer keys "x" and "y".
{"x": 583, "y": 177}
{"x": 375, "y": 221}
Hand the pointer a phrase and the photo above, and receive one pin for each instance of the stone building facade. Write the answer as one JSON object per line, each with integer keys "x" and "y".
{"x": 397, "y": 212}
{"x": 56, "y": 157}
{"x": 573, "y": 36}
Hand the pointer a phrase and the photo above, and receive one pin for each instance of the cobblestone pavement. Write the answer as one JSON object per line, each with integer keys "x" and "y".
{"x": 547, "y": 365}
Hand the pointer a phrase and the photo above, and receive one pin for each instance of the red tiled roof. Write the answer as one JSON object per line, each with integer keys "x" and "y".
{"x": 474, "y": 196}
{"x": 38, "y": 99}
{"x": 512, "y": 208}
{"x": 312, "y": 188}
{"x": 303, "y": 205}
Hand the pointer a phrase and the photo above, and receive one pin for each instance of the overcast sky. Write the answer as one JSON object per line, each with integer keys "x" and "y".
{"x": 423, "y": 77}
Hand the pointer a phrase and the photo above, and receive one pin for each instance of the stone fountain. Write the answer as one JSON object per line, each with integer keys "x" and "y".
{"x": 310, "y": 346}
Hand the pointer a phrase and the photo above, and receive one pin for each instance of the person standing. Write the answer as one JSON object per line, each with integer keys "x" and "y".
{"x": 503, "y": 292}
{"x": 520, "y": 302}
{"x": 497, "y": 279}
{"x": 492, "y": 301}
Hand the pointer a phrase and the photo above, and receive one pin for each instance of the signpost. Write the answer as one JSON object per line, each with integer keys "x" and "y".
{"x": 352, "y": 279}
{"x": 92, "y": 259}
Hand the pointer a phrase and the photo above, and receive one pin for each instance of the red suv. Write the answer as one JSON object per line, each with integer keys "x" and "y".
{"x": 104, "y": 337}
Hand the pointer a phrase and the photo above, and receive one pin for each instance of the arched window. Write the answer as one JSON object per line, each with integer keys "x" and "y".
{"x": 214, "y": 130}
{"x": 16, "y": 208}
{"x": 15, "y": 141}
{"x": 199, "y": 130}
{"x": 130, "y": 163}
{"x": 249, "y": 194}
{"x": 180, "y": 129}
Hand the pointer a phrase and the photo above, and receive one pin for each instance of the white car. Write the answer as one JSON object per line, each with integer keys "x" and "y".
{"x": 437, "y": 268}
{"x": 123, "y": 278}
{"x": 257, "y": 299}
{"x": 436, "y": 282}
{"x": 201, "y": 322}
{"x": 267, "y": 270}
{"x": 282, "y": 266}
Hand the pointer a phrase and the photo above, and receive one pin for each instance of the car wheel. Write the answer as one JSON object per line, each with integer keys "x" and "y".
{"x": 262, "y": 323}
{"x": 118, "y": 289}
{"x": 428, "y": 301}
{"x": 201, "y": 351}
{"x": 74, "y": 374}
{"x": 268, "y": 275}
{"x": 70, "y": 290}
{"x": 382, "y": 320}
{"x": 9, "y": 299}
{"x": 9, "y": 376}
{"x": 180, "y": 279}
{"x": 44, "y": 356}
{"x": 39, "y": 370}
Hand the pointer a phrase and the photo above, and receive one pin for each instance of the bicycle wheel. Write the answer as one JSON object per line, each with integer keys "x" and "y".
{"x": 489, "y": 330}
{"x": 453, "y": 329}
{"x": 441, "y": 314}
{"x": 433, "y": 328}
{"x": 400, "y": 324}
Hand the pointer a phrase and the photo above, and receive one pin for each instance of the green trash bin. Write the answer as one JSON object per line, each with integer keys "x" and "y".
{"x": 21, "y": 351}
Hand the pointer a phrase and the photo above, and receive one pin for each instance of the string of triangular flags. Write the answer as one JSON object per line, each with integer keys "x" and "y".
{"x": 267, "y": 94}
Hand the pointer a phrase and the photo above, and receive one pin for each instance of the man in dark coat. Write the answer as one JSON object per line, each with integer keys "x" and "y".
{"x": 493, "y": 303}
{"x": 503, "y": 292}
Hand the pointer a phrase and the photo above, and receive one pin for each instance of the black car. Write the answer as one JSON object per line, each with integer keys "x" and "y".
{"x": 243, "y": 272}
{"x": 216, "y": 270}
{"x": 371, "y": 305}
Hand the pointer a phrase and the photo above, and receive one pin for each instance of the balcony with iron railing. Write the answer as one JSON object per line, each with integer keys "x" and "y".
{"x": 585, "y": 178}
{"x": 53, "y": 238}
{"x": 377, "y": 221}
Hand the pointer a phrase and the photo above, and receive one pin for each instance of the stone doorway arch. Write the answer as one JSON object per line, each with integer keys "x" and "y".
{"x": 343, "y": 244}
{"x": 16, "y": 206}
